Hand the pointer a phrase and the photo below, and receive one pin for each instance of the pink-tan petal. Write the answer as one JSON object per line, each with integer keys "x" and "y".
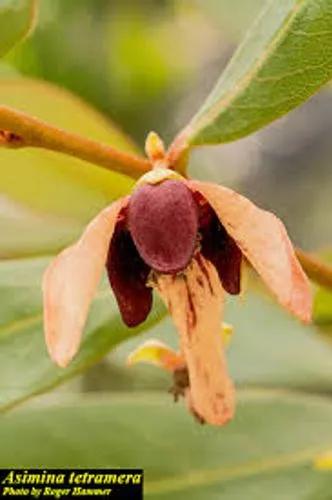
{"x": 263, "y": 239}
{"x": 195, "y": 302}
{"x": 70, "y": 283}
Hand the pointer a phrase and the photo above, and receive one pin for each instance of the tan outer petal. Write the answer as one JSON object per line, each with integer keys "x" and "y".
{"x": 195, "y": 301}
{"x": 70, "y": 282}
{"x": 263, "y": 239}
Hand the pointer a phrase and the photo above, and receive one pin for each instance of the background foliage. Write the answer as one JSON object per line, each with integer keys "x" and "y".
{"x": 108, "y": 69}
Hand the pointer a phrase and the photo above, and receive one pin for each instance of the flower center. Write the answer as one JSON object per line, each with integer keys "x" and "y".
{"x": 163, "y": 223}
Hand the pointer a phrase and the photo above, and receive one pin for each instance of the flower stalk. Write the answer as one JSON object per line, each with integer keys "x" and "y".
{"x": 22, "y": 130}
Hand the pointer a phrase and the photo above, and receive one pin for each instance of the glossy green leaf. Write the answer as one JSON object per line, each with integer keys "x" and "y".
{"x": 180, "y": 458}
{"x": 47, "y": 197}
{"x": 17, "y": 18}
{"x": 284, "y": 59}
{"x": 25, "y": 368}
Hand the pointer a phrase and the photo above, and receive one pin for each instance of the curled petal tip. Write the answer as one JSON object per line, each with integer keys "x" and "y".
{"x": 304, "y": 313}
{"x": 223, "y": 413}
{"x": 57, "y": 342}
{"x": 156, "y": 353}
{"x": 301, "y": 303}
{"x": 60, "y": 357}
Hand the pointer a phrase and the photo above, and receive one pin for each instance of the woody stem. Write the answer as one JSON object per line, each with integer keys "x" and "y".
{"x": 18, "y": 130}
{"x": 318, "y": 271}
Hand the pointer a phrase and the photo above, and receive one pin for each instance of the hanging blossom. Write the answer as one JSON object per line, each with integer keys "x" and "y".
{"x": 186, "y": 240}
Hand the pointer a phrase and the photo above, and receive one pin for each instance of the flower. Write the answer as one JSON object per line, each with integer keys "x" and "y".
{"x": 186, "y": 239}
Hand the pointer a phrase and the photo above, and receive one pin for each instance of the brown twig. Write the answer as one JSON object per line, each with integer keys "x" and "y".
{"x": 21, "y": 130}
{"x": 317, "y": 271}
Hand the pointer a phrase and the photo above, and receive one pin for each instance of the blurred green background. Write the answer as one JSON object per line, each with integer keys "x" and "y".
{"x": 148, "y": 65}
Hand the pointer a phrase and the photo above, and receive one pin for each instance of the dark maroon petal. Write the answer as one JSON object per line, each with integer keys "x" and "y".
{"x": 162, "y": 220}
{"x": 127, "y": 275}
{"x": 219, "y": 248}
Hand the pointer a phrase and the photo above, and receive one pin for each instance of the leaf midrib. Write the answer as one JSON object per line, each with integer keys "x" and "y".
{"x": 234, "y": 472}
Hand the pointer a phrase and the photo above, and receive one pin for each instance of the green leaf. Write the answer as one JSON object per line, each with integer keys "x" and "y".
{"x": 284, "y": 59}
{"x": 7, "y": 71}
{"x": 272, "y": 348}
{"x": 16, "y": 20}
{"x": 47, "y": 197}
{"x": 323, "y": 307}
{"x": 266, "y": 452}
{"x": 25, "y": 368}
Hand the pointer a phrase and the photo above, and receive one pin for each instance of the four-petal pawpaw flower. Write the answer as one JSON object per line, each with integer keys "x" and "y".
{"x": 186, "y": 239}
